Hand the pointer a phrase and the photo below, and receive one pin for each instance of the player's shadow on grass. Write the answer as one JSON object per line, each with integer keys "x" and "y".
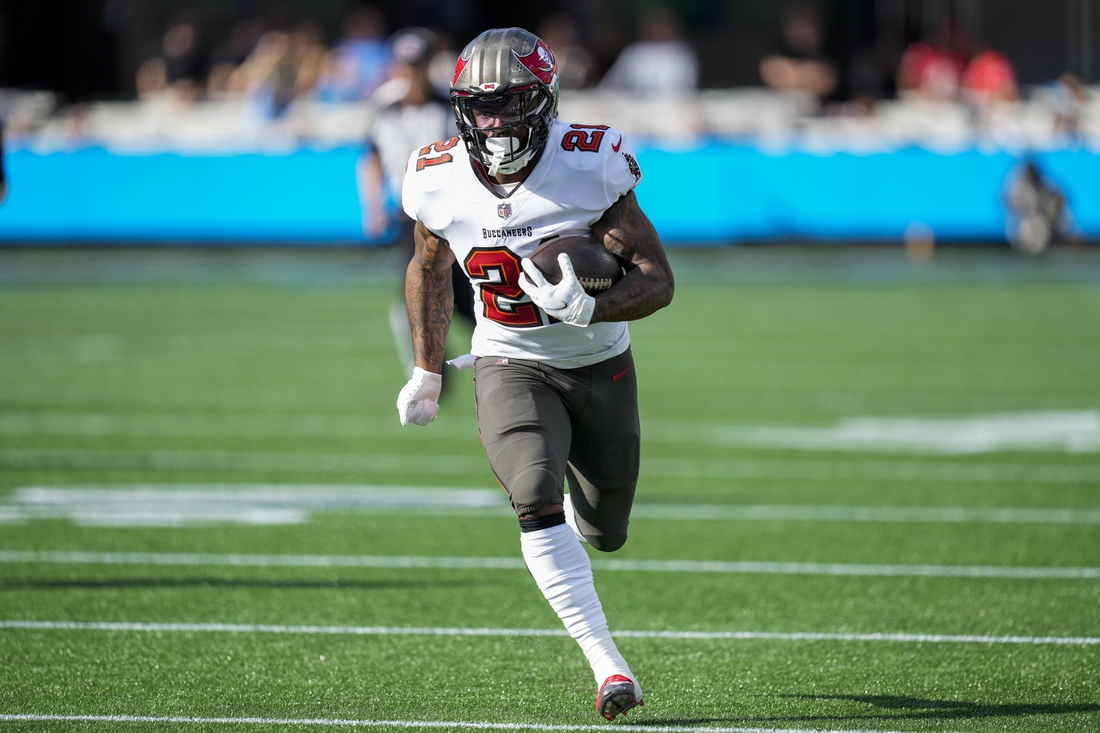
{"x": 902, "y": 707}
{"x": 899, "y": 707}
{"x": 122, "y": 583}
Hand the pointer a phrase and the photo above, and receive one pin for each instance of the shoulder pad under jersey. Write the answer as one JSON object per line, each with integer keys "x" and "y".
{"x": 429, "y": 169}
{"x": 603, "y": 151}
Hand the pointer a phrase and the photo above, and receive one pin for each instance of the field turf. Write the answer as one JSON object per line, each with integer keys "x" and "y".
{"x": 905, "y": 620}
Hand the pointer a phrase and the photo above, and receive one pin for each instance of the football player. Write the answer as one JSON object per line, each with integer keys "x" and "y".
{"x": 554, "y": 379}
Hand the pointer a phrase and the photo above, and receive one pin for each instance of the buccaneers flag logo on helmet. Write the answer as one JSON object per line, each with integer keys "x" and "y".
{"x": 540, "y": 62}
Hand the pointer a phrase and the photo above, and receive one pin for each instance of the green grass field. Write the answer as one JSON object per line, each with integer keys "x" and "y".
{"x": 831, "y": 533}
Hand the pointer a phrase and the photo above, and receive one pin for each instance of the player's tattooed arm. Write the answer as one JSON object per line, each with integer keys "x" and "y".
{"x": 429, "y": 297}
{"x": 648, "y": 285}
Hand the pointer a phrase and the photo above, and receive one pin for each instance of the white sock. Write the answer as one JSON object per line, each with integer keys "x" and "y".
{"x": 563, "y": 572}
{"x": 571, "y": 517}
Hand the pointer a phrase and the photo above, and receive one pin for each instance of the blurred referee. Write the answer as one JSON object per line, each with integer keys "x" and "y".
{"x": 409, "y": 113}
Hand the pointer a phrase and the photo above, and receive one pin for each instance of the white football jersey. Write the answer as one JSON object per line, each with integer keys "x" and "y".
{"x": 583, "y": 170}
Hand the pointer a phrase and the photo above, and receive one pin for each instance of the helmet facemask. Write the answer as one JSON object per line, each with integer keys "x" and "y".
{"x": 504, "y": 132}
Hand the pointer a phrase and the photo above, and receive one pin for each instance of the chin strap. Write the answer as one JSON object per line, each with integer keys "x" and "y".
{"x": 494, "y": 162}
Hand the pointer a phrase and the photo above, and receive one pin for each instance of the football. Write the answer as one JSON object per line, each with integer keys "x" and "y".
{"x": 595, "y": 267}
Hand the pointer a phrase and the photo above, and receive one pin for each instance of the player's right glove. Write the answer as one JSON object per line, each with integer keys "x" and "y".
{"x": 419, "y": 401}
{"x": 565, "y": 301}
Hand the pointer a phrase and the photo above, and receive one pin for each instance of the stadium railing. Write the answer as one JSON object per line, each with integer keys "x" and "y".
{"x": 747, "y": 115}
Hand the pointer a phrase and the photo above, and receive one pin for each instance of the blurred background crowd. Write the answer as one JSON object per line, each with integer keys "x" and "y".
{"x": 198, "y": 71}
{"x": 246, "y": 120}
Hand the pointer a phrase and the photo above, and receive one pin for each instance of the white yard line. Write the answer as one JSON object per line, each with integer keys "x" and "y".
{"x": 806, "y": 513}
{"x": 1067, "y": 430}
{"x": 189, "y": 425}
{"x": 481, "y": 632}
{"x": 509, "y": 563}
{"x": 173, "y": 505}
{"x": 233, "y": 560}
{"x": 1073, "y": 431}
{"x": 245, "y": 461}
{"x": 794, "y": 469}
{"x": 808, "y": 568}
{"x": 349, "y": 723}
{"x": 465, "y": 465}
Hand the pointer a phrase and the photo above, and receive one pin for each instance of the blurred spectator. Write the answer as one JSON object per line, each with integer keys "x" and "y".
{"x": 409, "y": 115}
{"x": 872, "y": 73}
{"x": 3, "y": 181}
{"x": 357, "y": 65}
{"x": 1068, "y": 99}
{"x": 441, "y": 67}
{"x": 308, "y": 54}
{"x": 281, "y": 68}
{"x": 1037, "y": 211}
{"x": 575, "y": 63}
{"x": 935, "y": 70}
{"x": 228, "y": 56}
{"x": 989, "y": 88}
{"x": 989, "y": 78}
{"x": 801, "y": 65}
{"x": 179, "y": 67}
{"x": 152, "y": 78}
{"x": 660, "y": 64}
{"x": 182, "y": 60}
{"x": 267, "y": 75}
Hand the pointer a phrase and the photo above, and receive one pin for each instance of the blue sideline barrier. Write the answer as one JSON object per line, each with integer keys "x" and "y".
{"x": 717, "y": 193}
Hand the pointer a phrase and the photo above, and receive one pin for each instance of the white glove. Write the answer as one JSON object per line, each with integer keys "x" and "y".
{"x": 565, "y": 301}
{"x": 419, "y": 400}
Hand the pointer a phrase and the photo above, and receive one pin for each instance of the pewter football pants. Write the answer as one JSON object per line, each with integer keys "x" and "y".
{"x": 542, "y": 426}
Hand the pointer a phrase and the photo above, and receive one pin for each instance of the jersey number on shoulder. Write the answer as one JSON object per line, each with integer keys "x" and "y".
{"x": 426, "y": 158}
{"x": 497, "y": 272}
{"x": 583, "y": 137}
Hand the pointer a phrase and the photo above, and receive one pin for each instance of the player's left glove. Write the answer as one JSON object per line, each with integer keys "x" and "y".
{"x": 419, "y": 401}
{"x": 565, "y": 301}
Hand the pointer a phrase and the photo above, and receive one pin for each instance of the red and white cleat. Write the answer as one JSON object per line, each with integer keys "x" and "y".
{"x": 617, "y": 695}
